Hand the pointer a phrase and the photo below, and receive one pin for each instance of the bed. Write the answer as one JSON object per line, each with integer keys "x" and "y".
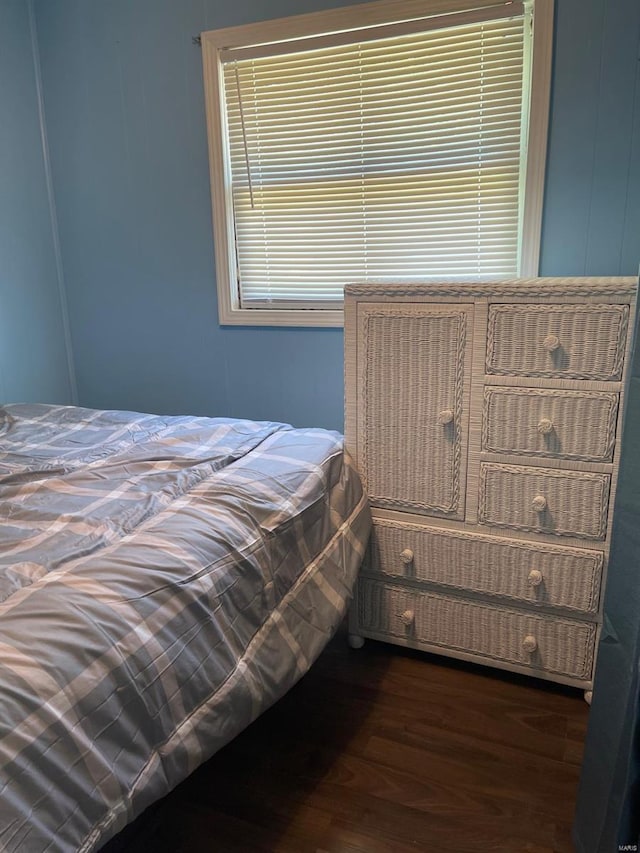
{"x": 163, "y": 580}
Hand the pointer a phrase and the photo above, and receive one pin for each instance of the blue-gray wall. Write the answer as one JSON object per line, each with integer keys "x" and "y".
{"x": 125, "y": 114}
{"x": 33, "y": 352}
{"x": 608, "y": 803}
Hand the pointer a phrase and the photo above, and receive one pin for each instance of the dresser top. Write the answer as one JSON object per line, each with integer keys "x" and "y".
{"x": 588, "y": 287}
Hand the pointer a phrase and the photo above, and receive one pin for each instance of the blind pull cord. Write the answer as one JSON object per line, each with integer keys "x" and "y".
{"x": 244, "y": 135}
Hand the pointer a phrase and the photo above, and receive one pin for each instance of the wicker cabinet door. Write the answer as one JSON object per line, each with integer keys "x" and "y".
{"x": 414, "y": 365}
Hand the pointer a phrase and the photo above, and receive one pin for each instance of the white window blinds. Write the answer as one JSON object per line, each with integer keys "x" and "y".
{"x": 388, "y": 157}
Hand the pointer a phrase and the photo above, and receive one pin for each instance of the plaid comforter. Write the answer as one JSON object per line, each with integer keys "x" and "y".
{"x": 163, "y": 580}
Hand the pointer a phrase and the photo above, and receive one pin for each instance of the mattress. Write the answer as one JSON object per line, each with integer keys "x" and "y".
{"x": 163, "y": 580}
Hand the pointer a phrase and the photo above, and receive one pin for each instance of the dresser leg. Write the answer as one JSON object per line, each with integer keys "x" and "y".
{"x": 355, "y": 641}
{"x": 588, "y": 694}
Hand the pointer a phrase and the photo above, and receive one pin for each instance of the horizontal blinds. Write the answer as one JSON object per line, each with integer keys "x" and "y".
{"x": 393, "y": 159}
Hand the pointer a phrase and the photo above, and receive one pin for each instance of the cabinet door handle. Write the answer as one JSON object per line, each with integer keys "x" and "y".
{"x": 407, "y": 618}
{"x": 445, "y": 416}
{"x": 545, "y": 426}
{"x": 539, "y": 503}
{"x": 551, "y": 343}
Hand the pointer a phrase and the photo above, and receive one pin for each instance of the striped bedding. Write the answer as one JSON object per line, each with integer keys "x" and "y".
{"x": 163, "y": 580}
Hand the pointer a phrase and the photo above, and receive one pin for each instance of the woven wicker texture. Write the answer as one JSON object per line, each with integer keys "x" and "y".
{"x": 569, "y": 341}
{"x": 561, "y": 645}
{"x": 562, "y": 503}
{"x": 542, "y": 575}
{"x": 562, "y": 424}
{"x": 604, "y": 287}
{"x": 412, "y": 407}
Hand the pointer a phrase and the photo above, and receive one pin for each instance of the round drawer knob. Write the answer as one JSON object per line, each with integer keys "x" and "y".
{"x": 545, "y": 426}
{"x": 530, "y": 644}
{"x": 535, "y": 578}
{"x": 551, "y": 343}
{"x": 445, "y": 416}
{"x": 407, "y": 618}
{"x": 539, "y": 503}
{"x": 406, "y": 556}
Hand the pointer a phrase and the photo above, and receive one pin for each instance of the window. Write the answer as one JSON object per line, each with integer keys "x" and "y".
{"x": 391, "y": 141}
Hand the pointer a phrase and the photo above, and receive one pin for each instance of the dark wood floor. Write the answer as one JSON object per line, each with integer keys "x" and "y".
{"x": 383, "y": 750}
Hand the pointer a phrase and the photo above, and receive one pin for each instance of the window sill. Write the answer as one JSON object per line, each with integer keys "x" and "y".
{"x": 308, "y": 317}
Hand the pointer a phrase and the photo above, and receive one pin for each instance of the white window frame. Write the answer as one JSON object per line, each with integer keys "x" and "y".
{"x": 358, "y": 17}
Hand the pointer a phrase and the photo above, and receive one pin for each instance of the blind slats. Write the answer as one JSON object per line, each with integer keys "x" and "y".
{"x": 450, "y": 63}
{"x": 396, "y": 158}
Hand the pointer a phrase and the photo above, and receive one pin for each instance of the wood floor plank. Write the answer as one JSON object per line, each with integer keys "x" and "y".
{"x": 385, "y": 750}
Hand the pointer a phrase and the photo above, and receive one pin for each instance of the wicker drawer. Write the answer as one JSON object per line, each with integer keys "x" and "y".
{"x": 561, "y": 503}
{"x": 545, "y": 643}
{"x": 544, "y": 575}
{"x": 566, "y": 341}
{"x": 562, "y": 424}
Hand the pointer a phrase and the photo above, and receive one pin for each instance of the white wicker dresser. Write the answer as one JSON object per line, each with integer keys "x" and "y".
{"x": 485, "y": 420}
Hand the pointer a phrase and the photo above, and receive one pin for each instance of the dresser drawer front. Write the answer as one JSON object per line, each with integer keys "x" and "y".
{"x": 544, "y": 643}
{"x": 564, "y": 341}
{"x": 557, "y": 424}
{"x": 560, "y": 503}
{"x": 414, "y": 372}
{"x": 542, "y": 575}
